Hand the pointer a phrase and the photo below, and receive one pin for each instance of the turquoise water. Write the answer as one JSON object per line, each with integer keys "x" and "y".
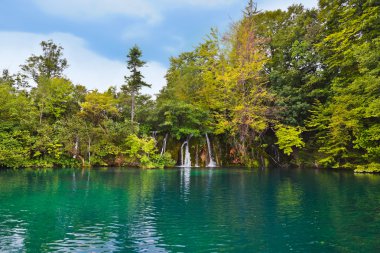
{"x": 188, "y": 210}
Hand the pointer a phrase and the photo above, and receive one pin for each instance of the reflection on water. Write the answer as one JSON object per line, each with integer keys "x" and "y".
{"x": 185, "y": 182}
{"x": 14, "y": 238}
{"x": 88, "y": 239}
{"x": 289, "y": 197}
{"x": 144, "y": 233}
{"x": 188, "y": 210}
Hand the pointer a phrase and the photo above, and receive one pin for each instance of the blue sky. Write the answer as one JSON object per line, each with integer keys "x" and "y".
{"x": 97, "y": 34}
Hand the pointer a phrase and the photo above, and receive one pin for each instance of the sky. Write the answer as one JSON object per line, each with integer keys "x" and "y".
{"x": 97, "y": 34}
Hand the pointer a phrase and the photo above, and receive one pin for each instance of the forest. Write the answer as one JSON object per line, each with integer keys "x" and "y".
{"x": 299, "y": 87}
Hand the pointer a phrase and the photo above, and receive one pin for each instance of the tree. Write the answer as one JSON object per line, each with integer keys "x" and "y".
{"x": 244, "y": 84}
{"x": 99, "y": 107}
{"x": 135, "y": 81}
{"x": 53, "y": 96}
{"x": 251, "y": 9}
{"x": 294, "y": 66}
{"x": 347, "y": 126}
{"x": 50, "y": 64}
{"x": 16, "y": 111}
{"x": 288, "y": 138}
{"x": 143, "y": 151}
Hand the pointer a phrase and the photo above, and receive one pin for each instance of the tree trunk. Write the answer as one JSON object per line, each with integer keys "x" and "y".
{"x": 41, "y": 114}
{"x": 89, "y": 151}
{"x": 133, "y": 107}
{"x": 41, "y": 107}
{"x": 82, "y": 160}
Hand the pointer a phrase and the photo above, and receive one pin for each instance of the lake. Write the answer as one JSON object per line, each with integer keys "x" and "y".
{"x": 188, "y": 210}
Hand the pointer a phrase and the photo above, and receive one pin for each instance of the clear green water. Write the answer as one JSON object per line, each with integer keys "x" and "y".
{"x": 182, "y": 210}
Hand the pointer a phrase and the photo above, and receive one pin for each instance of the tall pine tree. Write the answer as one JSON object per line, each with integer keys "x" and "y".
{"x": 134, "y": 82}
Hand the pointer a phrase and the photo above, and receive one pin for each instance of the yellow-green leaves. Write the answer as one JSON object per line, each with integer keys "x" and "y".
{"x": 289, "y": 137}
{"x": 98, "y": 106}
{"x": 143, "y": 152}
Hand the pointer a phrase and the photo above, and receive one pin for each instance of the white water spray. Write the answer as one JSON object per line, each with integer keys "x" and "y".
{"x": 76, "y": 147}
{"x": 211, "y": 163}
{"x": 163, "y": 149}
{"x": 196, "y": 157}
{"x": 185, "y": 158}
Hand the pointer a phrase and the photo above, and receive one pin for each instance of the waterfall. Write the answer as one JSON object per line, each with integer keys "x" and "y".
{"x": 163, "y": 149}
{"x": 185, "y": 158}
{"x": 211, "y": 163}
{"x": 196, "y": 157}
{"x": 276, "y": 154}
{"x": 182, "y": 152}
{"x": 76, "y": 147}
{"x": 154, "y": 136}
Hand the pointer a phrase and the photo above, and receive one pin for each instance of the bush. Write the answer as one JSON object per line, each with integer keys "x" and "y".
{"x": 143, "y": 151}
{"x": 370, "y": 168}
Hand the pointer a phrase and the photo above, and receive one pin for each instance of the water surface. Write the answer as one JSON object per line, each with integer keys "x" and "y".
{"x": 188, "y": 210}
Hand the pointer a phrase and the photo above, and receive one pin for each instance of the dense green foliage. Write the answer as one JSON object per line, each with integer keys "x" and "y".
{"x": 56, "y": 123}
{"x": 298, "y": 86}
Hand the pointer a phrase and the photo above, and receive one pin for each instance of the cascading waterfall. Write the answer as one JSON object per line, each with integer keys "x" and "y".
{"x": 196, "y": 157}
{"x": 163, "y": 149}
{"x": 211, "y": 163}
{"x": 76, "y": 147}
{"x": 185, "y": 158}
{"x": 182, "y": 152}
{"x": 154, "y": 134}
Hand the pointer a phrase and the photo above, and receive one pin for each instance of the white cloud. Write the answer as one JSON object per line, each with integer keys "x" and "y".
{"x": 150, "y": 10}
{"x": 93, "y": 9}
{"x": 86, "y": 67}
{"x": 154, "y": 74}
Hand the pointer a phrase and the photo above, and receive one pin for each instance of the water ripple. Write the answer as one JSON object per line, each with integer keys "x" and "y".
{"x": 188, "y": 210}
